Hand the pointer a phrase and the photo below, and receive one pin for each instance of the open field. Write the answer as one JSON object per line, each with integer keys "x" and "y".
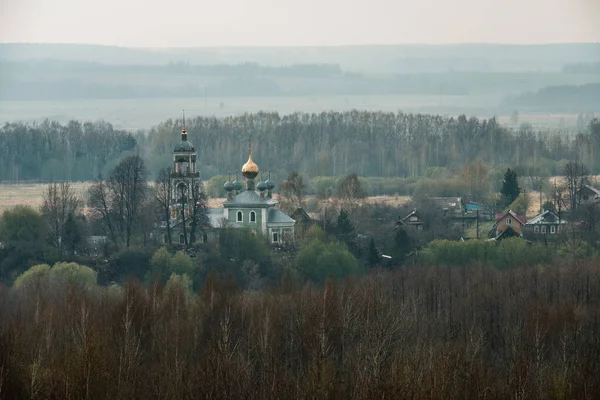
{"x": 32, "y": 194}
{"x": 144, "y": 113}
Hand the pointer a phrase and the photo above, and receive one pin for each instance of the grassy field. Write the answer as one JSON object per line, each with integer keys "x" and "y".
{"x": 32, "y": 194}
{"x": 145, "y": 113}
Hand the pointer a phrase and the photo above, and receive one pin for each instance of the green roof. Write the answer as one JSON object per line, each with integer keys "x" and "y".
{"x": 249, "y": 198}
{"x": 184, "y": 145}
{"x": 278, "y": 217}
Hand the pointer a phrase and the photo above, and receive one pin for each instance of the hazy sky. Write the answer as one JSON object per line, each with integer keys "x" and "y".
{"x": 149, "y": 23}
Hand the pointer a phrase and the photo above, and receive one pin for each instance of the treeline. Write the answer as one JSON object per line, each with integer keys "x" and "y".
{"x": 564, "y": 98}
{"x": 371, "y": 143}
{"x": 235, "y": 70}
{"x": 60, "y": 79}
{"x": 582, "y": 68}
{"x": 327, "y": 144}
{"x": 50, "y": 151}
{"x": 416, "y": 333}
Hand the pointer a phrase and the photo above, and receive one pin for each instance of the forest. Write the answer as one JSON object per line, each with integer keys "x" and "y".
{"x": 559, "y": 99}
{"x": 432, "y": 332}
{"x": 370, "y": 144}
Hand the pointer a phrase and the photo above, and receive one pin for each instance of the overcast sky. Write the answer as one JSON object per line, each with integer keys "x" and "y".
{"x": 148, "y": 23}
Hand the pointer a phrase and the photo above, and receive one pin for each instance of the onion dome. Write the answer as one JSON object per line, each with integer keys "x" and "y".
{"x": 237, "y": 185}
{"x": 250, "y": 169}
{"x": 228, "y": 186}
{"x": 270, "y": 184}
{"x": 262, "y": 186}
{"x": 184, "y": 145}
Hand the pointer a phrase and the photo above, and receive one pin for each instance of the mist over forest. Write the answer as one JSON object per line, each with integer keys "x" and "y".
{"x": 51, "y": 80}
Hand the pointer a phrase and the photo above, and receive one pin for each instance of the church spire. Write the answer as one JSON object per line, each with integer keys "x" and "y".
{"x": 183, "y": 131}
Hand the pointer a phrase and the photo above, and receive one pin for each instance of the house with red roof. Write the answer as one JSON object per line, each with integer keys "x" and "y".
{"x": 508, "y": 224}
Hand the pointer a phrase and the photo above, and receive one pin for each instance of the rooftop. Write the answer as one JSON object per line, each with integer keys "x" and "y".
{"x": 249, "y": 198}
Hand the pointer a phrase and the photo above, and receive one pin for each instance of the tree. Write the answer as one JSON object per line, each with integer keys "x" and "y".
{"x": 514, "y": 118}
{"x": 291, "y": 192}
{"x": 117, "y": 202}
{"x": 345, "y": 231}
{"x": 510, "y": 187}
{"x": 576, "y": 177}
{"x": 162, "y": 194}
{"x": 520, "y": 205}
{"x": 319, "y": 259}
{"x": 60, "y": 203}
{"x": 475, "y": 176}
{"x": 402, "y": 246}
{"x": 350, "y": 188}
{"x": 72, "y": 235}
{"x": 22, "y": 224}
{"x": 558, "y": 197}
{"x": 22, "y": 234}
{"x": 198, "y": 218}
{"x": 374, "y": 258}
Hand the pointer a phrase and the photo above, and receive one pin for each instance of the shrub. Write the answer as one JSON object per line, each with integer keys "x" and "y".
{"x": 34, "y": 276}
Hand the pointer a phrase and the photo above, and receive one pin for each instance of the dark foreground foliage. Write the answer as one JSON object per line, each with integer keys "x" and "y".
{"x": 419, "y": 333}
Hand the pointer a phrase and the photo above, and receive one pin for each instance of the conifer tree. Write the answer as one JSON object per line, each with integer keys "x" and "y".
{"x": 345, "y": 230}
{"x": 510, "y": 187}
{"x": 373, "y": 254}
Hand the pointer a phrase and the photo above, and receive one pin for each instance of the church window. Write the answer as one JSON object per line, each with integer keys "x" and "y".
{"x": 552, "y": 229}
{"x": 275, "y": 237}
{"x": 252, "y": 216}
{"x": 240, "y": 217}
{"x": 544, "y": 229}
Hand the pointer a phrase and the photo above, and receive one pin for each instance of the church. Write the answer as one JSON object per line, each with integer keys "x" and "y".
{"x": 250, "y": 206}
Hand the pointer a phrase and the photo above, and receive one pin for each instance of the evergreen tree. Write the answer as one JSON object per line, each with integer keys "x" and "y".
{"x": 345, "y": 231}
{"x": 72, "y": 234}
{"x": 402, "y": 246}
{"x": 510, "y": 187}
{"x": 373, "y": 254}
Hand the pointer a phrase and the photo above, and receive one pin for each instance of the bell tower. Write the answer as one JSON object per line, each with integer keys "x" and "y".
{"x": 184, "y": 166}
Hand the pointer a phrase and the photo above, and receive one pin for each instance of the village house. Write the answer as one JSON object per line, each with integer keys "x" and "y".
{"x": 588, "y": 195}
{"x": 451, "y": 206}
{"x": 507, "y": 225}
{"x": 413, "y": 220}
{"x": 543, "y": 226}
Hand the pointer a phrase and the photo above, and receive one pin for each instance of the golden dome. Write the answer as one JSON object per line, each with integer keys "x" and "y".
{"x": 250, "y": 169}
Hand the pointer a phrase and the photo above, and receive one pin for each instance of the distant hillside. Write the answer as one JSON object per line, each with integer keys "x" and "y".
{"x": 392, "y": 58}
{"x": 559, "y": 99}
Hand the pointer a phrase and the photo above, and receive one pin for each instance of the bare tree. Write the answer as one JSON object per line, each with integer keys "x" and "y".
{"x": 162, "y": 195}
{"x": 199, "y": 202}
{"x": 118, "y": 201}
{"x": 60, "y": 201}
{"x": 291, "y": 192}
{"x": 576, "y": 176}
{"x": 558, "y": 197}
{"x": 100, "y": 205}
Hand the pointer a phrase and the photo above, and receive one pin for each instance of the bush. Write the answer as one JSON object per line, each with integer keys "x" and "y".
{"x": 513, "y": 252}
{"x": 319, "y": 259}
{"x": 164, "y": 264}
{"x": 74, "y": 274}
{"x": 34, "y": 276}
{"x": 60, "y": 274}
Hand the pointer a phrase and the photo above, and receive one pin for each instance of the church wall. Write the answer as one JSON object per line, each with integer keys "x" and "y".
{"x": 258, "y": 225}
